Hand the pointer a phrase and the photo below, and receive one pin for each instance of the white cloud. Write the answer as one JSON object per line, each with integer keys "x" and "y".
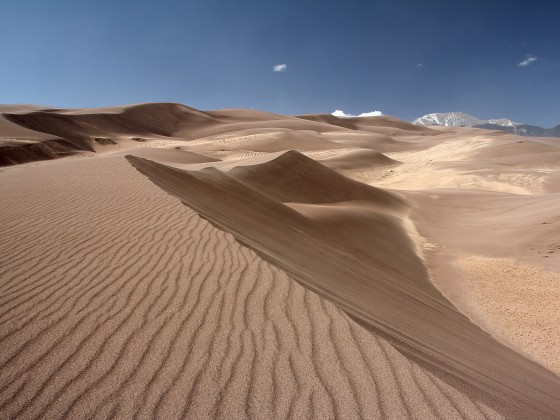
{"x": 528, "y": 60}
{"x": 417, "y": 66}
{"x": 371, "y": 114}
{"x": 280, "y": 67}
{"x": 341, "y": 114}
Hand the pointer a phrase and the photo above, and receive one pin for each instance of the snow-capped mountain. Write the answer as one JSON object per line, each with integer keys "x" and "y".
{"x": 524, "y": 130}
{"x": 448, "y": 119}
{"x": 504, "y": 122}
{"x": 460, "y": 119}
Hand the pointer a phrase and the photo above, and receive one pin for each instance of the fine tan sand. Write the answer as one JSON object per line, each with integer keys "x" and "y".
{"x": 158, "y": 261}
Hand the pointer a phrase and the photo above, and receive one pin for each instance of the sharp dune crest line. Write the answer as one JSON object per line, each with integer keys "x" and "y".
{"x": 157, "y": 261}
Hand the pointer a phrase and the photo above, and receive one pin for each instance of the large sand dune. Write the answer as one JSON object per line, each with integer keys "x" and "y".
{"x": 242, "y": 264}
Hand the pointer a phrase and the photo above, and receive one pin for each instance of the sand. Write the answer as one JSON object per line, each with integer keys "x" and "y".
{"x": 242, "y": 264}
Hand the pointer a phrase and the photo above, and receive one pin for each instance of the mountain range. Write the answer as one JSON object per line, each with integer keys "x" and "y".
{"x": 460, "y": 119}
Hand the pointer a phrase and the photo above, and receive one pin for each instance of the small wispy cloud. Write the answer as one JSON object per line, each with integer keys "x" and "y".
{"x": 280, "y": 68}
{"x": 528, "y": 60}
{"x": 341, "y": 114}
{"x": 417, "y": 66}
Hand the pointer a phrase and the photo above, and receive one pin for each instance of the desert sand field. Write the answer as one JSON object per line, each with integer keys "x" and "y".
{"x": 158, "y": 261}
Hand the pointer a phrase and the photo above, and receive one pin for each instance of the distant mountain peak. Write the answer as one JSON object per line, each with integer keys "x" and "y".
{"x": 504, "y": 122}
{"x": 460, "y": 119}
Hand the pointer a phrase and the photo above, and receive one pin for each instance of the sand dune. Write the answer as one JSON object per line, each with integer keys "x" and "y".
{"x": 384, "y": 289}
{"x": 31, "y": 133}
{"x": 256, "y": 265}
{"x": 154, "y": 312}
{"x": 374, "y": 124}
{"x": 358, "y": 159}
{"x": 149, "y": 119}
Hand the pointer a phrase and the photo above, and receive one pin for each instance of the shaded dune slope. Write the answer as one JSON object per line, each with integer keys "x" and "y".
{"x": 14, "y": 131}
{"x": 148, "y": 119}
{"x": 16, "y": 152}
{"x": 384, "y": 287}
{"x": 19, "y": 144}
{"x": 39, "y": 134}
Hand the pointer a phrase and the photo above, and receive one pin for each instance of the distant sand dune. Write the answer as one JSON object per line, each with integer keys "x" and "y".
{"x": 376, "y": 124}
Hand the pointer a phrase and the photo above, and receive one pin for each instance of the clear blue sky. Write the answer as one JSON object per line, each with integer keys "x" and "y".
{"x": 405, "y": 58}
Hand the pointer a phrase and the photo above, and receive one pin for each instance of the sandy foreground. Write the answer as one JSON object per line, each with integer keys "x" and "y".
{"x": 158, "y": 261}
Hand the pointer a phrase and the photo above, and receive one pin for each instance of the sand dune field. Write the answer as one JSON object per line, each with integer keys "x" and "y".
{"x": 158, "y": 261}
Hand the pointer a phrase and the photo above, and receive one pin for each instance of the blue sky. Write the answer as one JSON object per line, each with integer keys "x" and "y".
{"x": 405, "y": 58}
